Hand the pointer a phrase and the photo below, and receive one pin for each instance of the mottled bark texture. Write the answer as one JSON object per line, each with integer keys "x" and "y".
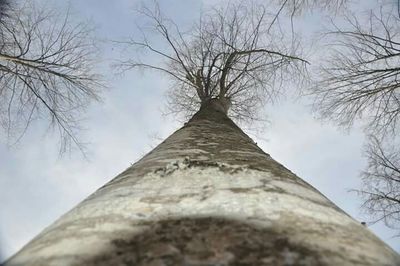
{"x": 207, "y": 195}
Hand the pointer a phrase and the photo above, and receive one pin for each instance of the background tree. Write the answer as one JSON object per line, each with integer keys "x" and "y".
{"x": 359, "y": 81}
{"x": 46, "y": 71}
{"x": 381, "y": 183}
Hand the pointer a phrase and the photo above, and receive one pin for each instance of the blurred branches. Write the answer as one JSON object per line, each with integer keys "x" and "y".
{"x": 296, "y": 7}
{"x": 232, "y": 53}
{"x": 5, "y": 6}
{"x": 381, "y": 183}
{"x": 46, "y": 71}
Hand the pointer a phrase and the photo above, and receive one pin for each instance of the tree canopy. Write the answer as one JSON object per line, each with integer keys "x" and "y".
{"x": 236, "y": 53}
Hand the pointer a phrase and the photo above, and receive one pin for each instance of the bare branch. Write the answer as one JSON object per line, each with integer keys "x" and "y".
{"x": 46, "y": 72}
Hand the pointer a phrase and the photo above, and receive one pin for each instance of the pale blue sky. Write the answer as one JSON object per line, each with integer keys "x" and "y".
{"x": 36, "y": 186}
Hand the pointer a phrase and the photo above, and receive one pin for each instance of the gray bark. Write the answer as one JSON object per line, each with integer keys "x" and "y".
{"x": 207, "y": 195}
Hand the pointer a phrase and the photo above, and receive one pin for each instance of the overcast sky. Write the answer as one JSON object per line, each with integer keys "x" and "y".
{"x": 37, "y": 186}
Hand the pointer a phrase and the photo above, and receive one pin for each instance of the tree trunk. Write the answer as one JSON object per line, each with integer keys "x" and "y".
{"x": 207, "y": 195}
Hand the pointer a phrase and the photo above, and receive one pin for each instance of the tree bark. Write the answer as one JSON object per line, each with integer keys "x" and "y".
{"x": 207, "y": 195}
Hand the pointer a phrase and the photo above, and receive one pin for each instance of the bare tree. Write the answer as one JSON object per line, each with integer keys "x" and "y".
{"x": 381, "y": 183}
{"x": 361, "y": 78}
{"x": 231, "y": 54}
{"x": 46, "y": 65}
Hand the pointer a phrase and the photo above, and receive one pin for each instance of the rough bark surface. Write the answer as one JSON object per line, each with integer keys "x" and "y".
{"x": 207, "y": 195}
